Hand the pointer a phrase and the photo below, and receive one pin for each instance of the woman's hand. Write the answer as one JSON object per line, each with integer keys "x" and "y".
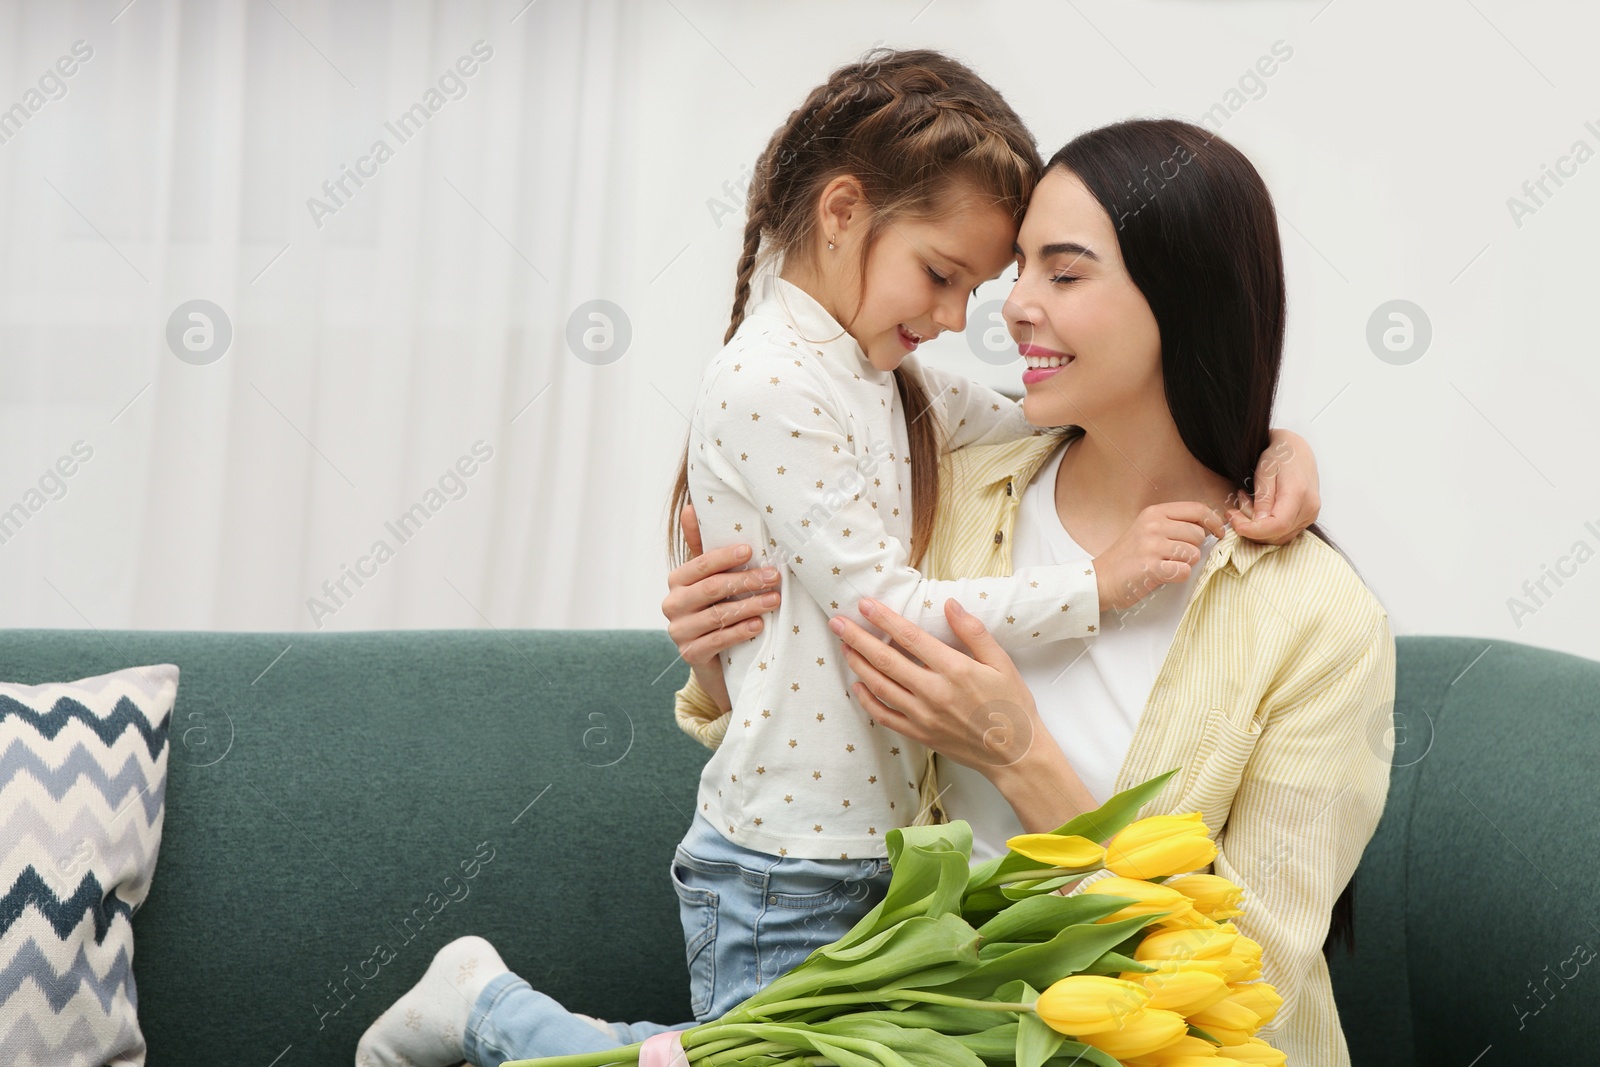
{"x": 705, "y": 616}
{"x": 1287, "y": 497}
{"x": 973, "y": 709}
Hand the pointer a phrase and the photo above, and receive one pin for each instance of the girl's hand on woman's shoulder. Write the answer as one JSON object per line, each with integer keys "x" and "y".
{"x": 706, "y": 614}
{"x": 1287, "y": 498}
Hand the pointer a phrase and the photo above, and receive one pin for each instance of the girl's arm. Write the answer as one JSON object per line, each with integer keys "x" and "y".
{"x": 970, "y": 412}
{"x": 1287, "y": 496}
{"x": 768, "y": 430}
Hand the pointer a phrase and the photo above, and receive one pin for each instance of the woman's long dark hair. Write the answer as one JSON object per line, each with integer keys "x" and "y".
{"x": 1199, "y": 236}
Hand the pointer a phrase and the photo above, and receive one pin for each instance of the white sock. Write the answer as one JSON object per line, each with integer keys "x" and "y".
{"x": 424, "y": 1027}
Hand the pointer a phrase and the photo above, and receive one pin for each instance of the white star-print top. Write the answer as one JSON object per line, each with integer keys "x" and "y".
{"x": 799, "y": 448}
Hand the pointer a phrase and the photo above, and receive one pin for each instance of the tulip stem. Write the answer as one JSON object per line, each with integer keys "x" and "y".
{"x": 739, "y": 1050}
{"x": 883, "y": 996}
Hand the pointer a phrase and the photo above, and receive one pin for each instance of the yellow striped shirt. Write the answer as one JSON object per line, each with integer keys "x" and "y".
{"x": 1275, "y": 700}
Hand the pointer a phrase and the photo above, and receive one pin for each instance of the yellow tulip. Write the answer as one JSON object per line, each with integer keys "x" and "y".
{"x": 1259, "y": 997}
{"x": 1201, "y": 943}
{"x": 1089, "y": 1003}
{"x": 1230, "y": 1039}
{"x": 1226, "y": 1014}
{"x": 1161, "y": 845}
{"x": 1183, "y": 986}
{"x": 1149, "y": 898}
{"x": 1187, "y": 1051}
{"x": 1141, "y": 1033}
{"x": 1243, "y": 963}
{"x": 1258, "y": 1052}
{"x": 1213, "y": 895}
{"x": 1058, "y": 850}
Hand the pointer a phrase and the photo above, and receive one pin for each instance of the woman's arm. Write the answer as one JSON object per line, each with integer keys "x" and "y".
{"x": 1308, "y": 804}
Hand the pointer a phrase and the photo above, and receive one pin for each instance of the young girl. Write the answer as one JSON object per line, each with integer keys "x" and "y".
{"x": 889, "y": 195}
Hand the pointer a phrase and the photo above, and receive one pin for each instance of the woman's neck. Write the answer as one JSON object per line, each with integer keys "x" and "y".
{"x": 1109, "y": 475}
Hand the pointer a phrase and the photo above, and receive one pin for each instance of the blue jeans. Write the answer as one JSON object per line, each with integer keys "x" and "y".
{"x": 747, "y": 919}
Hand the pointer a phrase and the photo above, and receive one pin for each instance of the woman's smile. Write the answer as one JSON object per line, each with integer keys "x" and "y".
{"x": 1042, "y": 362}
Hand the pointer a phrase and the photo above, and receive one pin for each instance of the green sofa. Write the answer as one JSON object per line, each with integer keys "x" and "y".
{"x": 340, "y": 805}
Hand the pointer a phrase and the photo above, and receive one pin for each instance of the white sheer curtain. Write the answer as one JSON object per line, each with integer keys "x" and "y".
{"x": 377, "y": 334}
{"x": 601, "y": 153}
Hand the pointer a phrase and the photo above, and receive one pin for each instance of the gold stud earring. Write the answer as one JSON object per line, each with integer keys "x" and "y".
{"x": 830, "y": 246}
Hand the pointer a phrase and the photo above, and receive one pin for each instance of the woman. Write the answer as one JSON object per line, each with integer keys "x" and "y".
{"x": 1150, "y": 305}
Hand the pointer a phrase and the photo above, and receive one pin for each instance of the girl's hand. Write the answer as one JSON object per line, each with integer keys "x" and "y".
{"x": 1161, "y": 546}
{"x": 704, "y": 615}
{"x": 974, "y": 709}
{"x": 1287, "y": 498}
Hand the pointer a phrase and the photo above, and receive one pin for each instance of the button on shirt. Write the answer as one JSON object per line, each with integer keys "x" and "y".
{"x": 799, "y": 447}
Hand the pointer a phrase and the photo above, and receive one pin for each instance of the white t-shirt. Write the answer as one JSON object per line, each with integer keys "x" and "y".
{"x": 1090, "y": 691}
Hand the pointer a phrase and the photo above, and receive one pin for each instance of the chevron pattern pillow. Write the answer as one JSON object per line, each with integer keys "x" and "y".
{"x": 83, "y": 781}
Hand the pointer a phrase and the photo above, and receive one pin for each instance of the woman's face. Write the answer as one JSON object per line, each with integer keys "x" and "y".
{"x": 1090, "y": 340}
{"x": 920, "y": 275}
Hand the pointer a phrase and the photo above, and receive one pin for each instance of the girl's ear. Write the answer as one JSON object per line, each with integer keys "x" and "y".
{"x": 842, "y": 209}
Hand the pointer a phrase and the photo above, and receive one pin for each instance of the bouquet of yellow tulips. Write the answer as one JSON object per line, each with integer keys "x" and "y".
{"x": 964, "y": 965}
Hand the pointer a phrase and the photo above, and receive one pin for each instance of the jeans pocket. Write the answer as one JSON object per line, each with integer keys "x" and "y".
{"x": 827, "y": 884}
{"x": 697, "y": 908}
{"x": 811, "y": 904}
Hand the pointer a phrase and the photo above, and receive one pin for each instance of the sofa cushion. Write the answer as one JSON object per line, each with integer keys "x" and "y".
{"x": 83, "y": 769}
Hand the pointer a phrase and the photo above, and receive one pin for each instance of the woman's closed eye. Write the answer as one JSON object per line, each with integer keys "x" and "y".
{"x": 1058, "y": 279}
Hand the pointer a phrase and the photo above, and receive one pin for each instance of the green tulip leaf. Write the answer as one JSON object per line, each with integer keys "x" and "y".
{"x": 1115, "y": 963}
{"x": 1017, "y": 992}
{"x": 1195, "y": 1031}
{"x": 917, "y": 1046}
{"x": 1077, "y": 1054}
{"x": 929, "y": 866}
{"x": 946, "y": 1019}
{"x": 1045, "y": 916}
{"x": 998, "y": 1044}
{"x": 990, "y": 949}
{"x": 1044, "y": 963}
{"x": 1036, "y": 1042}
{"x": 915, "y": 953}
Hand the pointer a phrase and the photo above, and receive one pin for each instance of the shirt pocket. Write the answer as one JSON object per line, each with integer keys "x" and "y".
{"x": 1212, "y": 775}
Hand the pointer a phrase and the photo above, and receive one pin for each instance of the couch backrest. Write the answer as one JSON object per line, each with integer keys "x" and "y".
{"x": 1479, "y": 885}
{"x": 341, "y": 805}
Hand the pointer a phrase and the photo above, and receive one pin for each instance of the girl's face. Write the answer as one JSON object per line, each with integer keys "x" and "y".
{"x": 1090, "y": 340}
{"x": 920, "y": 275}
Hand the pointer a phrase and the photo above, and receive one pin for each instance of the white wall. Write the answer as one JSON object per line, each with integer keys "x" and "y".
{"x": 584, "y": 162}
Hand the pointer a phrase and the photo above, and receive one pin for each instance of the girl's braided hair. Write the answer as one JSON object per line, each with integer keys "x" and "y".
{"x": 922, "y": 133}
